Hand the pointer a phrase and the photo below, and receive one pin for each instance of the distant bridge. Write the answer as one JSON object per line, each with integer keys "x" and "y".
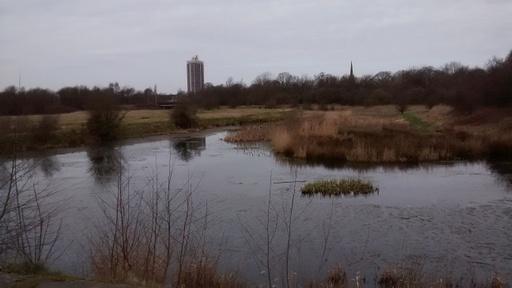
{"x": 167, "y": 104}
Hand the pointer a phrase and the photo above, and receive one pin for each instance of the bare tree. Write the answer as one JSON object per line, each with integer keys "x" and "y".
{"x": 28, "y": 212}
{"x": 152, "y": 235}
{"x": 37, "y": 229}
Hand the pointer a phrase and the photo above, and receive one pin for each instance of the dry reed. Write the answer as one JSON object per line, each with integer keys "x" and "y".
{"x": 342, "y": 137}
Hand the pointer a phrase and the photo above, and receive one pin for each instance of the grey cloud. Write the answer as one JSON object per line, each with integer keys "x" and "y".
{"x": 53, "y": 43}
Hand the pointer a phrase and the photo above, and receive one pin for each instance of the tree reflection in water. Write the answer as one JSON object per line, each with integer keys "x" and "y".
{"x": 105, "y": 162}
{"x": 188, "y": 148}
{"x": 503, "y": 171}
{"x": 48, "y": 164}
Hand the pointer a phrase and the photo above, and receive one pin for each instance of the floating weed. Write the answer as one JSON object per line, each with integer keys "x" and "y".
{"x": 342, "y": 187}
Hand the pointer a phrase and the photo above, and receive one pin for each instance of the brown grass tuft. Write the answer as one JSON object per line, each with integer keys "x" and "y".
{"x": 336, "y": 278}
{"x": 253, "y": 133}
{"x": 205, "y": 275}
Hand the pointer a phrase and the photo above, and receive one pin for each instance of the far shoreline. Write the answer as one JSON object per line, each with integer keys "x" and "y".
{"x": 54, "y": 151}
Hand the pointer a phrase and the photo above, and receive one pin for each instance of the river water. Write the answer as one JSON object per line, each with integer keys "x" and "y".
{"x": 451, "y": 219}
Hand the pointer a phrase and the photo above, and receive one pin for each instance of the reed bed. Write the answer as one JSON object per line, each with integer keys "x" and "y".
{"x": 205, "y": 275}
{"x": 342, "y": 187}
{"x": 361, "y": 136}
{"x": 253, "y": 133}
{"x": 402, "y": 277}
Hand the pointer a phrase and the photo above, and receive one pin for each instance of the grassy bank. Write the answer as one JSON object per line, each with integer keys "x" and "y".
{"x": 383, "y": 134}
{"x": 30, "y": 276}
{"x": 71, "y": 131}
{"x": 207, "y": 276}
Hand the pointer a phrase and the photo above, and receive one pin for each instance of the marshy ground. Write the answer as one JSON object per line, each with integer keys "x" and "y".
{"x": 348, "y": 133}
{"x": 383, "y": 134}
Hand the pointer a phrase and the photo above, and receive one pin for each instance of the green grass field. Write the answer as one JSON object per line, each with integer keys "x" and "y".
{"x": 148, "y": 117}
{"x": 142, "y": 123}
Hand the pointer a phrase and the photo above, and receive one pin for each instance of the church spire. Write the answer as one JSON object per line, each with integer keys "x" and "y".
{"x": 351, "y": 77}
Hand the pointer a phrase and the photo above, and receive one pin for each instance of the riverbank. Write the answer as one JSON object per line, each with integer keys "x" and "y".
{"x": 383, "y": 134}
{"x": 342, "y": 133}
{"x": 71, "y": 127}
{"x": 399, "y": 277}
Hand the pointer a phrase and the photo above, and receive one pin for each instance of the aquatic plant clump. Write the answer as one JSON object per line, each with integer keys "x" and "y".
{"x": 343, "y": 187}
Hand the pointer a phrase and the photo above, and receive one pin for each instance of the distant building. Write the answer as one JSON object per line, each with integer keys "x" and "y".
{"x": 352, "y": 78}
{"x": 195, "y": 75}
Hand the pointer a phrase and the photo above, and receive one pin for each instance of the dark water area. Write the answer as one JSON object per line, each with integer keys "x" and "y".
{"x": 452, "y": 219}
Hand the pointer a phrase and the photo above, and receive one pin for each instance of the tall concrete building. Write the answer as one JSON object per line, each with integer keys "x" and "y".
{"x": 195, "y": 75}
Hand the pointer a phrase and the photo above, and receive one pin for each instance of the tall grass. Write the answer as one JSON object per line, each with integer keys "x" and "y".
{"x": 205, "y": 275}
{"x": 253, "y": 133}
{"x": 403, "y": 277}
{"x": 339, "y": 135}
{"x": 409, "y": 277}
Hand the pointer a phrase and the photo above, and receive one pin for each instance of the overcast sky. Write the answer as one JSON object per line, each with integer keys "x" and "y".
{"x": 139, "y": 43}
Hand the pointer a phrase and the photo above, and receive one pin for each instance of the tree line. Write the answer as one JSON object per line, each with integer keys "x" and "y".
{"x": 453, "y": 84}
{"x": 18, "y": 101}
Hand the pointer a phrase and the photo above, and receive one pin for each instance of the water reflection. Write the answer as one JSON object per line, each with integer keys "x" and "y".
{"x": 358, "y": 166}
{"x": 48, "y": 164}
{"x": 257, "y": 149}
{"x": 502, "y": 171}
{"x": 4, "y": 171}
{"x": 188, "y": 148}
{"x": 105, "y": 162}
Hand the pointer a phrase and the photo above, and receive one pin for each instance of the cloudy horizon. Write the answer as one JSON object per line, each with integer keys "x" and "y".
{"x": 57, "y": 43}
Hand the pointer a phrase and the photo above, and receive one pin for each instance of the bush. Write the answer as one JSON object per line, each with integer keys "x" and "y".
{"x": 184, "y": 116}
{"x": 105, "y": 119}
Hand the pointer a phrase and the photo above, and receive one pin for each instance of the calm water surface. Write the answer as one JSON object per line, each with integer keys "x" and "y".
{"x": 451, "y": 219}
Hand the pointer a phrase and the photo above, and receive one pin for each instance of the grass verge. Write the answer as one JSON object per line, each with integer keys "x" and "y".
{"x": 30, "y": 275}
{"x": 416, "y": 122}
{"x": 72, "y": 132}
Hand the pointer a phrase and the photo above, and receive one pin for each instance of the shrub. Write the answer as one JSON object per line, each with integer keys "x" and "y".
{"x": 184, "y": 116}
{"x": 105, "y": 119}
